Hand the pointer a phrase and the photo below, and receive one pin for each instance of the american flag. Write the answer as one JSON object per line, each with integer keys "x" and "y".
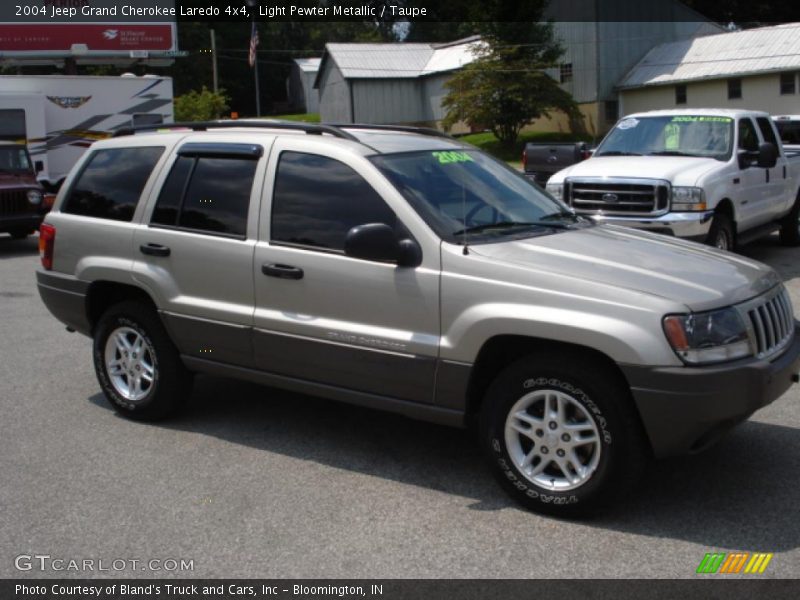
{"x": 253, "y": 45}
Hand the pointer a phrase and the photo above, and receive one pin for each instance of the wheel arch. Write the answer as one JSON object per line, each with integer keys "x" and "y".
{"x": 103, "y": 294}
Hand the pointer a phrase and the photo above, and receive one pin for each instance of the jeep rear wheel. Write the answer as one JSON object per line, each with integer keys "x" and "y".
{"x": 561, "y": 435}
{"x": 137, "y": 365}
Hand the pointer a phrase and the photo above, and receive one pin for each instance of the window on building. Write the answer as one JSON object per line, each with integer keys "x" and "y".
{"x": 111, "y": 183}
{"x": 680, "y": 94}
{"x": 612, "y": 111}
{"x": 788, "y": 83}
{"x": 12, "y": 125}
{"x": 734, "y": 89}
{"x": 565, "y": 73}
{"x": 207, "y": 194}
{"x": 317, "y": 200}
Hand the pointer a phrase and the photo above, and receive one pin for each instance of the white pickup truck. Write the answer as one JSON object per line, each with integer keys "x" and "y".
{"x": 717, "y": 176}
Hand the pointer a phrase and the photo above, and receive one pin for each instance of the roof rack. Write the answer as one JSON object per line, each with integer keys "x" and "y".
{"x": 403, "y": 128}
{"x": 309, "y": 128}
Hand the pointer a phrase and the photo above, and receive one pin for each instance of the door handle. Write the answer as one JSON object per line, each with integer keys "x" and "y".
{"x": 282, "y": 271}
{"x": 154, "y": 249}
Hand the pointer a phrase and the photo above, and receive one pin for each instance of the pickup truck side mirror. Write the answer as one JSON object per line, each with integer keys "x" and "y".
{"x": 38, "y": 166}
{"x": 378, "y": 242}
{"x": 767, "y": 155}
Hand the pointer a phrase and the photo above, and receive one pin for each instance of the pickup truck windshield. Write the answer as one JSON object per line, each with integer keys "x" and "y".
{"x": 679, "y": 135}
{"x": 461, "y": 193}
{"x": 14, "y": 159}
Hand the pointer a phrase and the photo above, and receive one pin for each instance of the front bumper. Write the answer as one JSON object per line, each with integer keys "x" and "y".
{"x": 27, "y": 221}
{"x": 688, "y": 225}
{"x": 685, "y": 409}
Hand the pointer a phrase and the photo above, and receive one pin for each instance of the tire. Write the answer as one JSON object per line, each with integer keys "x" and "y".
{"x": 790, "y": 226}
{"x": 19, "y": 234}
{"x": 164, "y": 384}
{"x": 721, "y": 235}
{"x": 595, "y": 402}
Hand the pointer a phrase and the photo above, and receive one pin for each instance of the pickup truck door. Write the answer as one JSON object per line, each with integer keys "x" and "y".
{"x": 194, "y": 250}
{"x": 327, "y": 318}
{"x": 752, "y": 200}
{"x": 778, "y": 183}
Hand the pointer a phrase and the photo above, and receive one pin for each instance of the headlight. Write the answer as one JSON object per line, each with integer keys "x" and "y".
{"x": 34, "y": 196}
{"x": 556, "y": 190}
{"x": 710, "y": 337}
{"x": 688, "y": 198}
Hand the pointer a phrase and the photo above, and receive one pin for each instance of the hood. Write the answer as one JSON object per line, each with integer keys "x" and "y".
{"x": 697, "y": 276}
{"x": 679, "y": 170}
{"x": 10, "y": 180}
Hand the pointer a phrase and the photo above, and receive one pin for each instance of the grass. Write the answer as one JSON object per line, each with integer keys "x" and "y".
{"x": 487, "y": 142}
{"x": 305, "y": 118}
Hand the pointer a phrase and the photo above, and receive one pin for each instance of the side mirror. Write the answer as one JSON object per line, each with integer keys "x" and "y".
{"x": 378, "y": 242}
{"x": 38, "y": 166}
{"x": 767, "y": 155}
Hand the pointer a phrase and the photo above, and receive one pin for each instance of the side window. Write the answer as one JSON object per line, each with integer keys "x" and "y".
{"x": 111, "y": 182}
{"x": 766, "y": 130}
{"x": 12, "y": 125}
{"x": 208, "y": 194}
{"x": 748, "y": 140}
{"x": 317, "y": 200}
{"x": 146, "y": 119}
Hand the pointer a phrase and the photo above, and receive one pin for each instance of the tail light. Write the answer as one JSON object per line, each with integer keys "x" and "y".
{"x": 47, "y": 240}
{"x": 524, "y": 159}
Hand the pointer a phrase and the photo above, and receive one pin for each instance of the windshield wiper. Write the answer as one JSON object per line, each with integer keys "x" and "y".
{"x": 670, "y": 153}
{"x": 617, "y": 153}
{"x": 500, "y": 225}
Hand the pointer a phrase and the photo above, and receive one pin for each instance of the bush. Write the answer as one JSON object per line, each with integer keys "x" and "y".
{"x": 204, "y": 105}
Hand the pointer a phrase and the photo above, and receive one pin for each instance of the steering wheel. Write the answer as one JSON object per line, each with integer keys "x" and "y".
{"x": 476, "y": 209}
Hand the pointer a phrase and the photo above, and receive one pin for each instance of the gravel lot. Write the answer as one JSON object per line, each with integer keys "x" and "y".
{"x": 255, "y": 482}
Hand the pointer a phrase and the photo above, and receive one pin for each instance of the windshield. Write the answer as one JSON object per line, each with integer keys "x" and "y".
{"x": 466, "y": 194}
{"x": 681, "y": 135}
{"x": 14, "y": 158}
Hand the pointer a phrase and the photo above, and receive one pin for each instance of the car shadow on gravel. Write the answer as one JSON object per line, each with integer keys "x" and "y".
{"x": 742, "y": 493}
{"x": 11, "y": 248}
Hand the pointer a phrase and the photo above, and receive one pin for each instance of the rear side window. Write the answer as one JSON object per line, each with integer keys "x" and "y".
{"x": 207, "y": 194}
{"x": 317, "y": 200}
{"x": 111, "y": 182}
{"x": 766, "y": 130}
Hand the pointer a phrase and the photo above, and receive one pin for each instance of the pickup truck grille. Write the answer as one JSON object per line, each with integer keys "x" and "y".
{"x": 628, "y": 197}
{"x": 772, "y": 322}
{"x": 14, "y": 202}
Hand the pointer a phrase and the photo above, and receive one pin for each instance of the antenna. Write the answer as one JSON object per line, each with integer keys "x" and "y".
{"x": 465, "y": 251}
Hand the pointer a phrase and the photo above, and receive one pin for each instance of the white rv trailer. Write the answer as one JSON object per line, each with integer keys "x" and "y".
{"x": 59, "y": 116}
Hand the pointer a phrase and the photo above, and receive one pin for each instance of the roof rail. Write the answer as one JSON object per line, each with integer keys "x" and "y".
{"x": 403, "y": 128}
{"x": 309, "y": 128}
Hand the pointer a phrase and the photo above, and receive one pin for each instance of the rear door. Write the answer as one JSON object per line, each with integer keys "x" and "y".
{"x": 777, "y": 178}
{"x": 753, "y": 205}
{"x": 322, "y": 316}
{"x": 194, "y": 251}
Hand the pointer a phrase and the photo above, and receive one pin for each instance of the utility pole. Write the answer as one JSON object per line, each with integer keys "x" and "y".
{"x": 214, "y": 61}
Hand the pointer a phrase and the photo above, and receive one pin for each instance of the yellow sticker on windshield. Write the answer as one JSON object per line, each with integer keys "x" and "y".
{"x": 693, "y": 119}
{"x": 447, "y": 158}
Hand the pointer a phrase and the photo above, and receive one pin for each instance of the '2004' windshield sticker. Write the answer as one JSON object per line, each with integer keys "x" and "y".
{"x": 447, "y": 158}
{"x": 628, "y": 124}
{"x": 693, "y": 119}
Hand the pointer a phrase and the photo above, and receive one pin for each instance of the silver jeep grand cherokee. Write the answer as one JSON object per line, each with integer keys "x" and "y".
{"x": 403, "y": 270}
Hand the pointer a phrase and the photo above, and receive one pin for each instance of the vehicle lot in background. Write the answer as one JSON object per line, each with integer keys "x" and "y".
{"x": 251, "y": 481}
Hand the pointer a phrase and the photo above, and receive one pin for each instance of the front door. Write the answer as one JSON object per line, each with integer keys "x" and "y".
{"x": 322, "y": 316}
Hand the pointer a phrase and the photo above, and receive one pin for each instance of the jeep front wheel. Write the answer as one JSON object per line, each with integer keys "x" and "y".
{"x": 561, "y": 435}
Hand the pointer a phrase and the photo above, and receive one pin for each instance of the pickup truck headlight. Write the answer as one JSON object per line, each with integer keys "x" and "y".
{"x": 710, "y": 337}
{"x": 688, "y": 198}
{"x": 556, "y": 190}
{"x": 34, "y": 196}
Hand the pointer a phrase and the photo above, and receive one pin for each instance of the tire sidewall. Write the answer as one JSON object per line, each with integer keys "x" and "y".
{"x": 505, "y": 392}
{"x": 107, "y": 325}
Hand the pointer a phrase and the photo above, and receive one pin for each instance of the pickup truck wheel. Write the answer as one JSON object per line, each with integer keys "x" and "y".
{"x": 137, "y": 364}
{"x": 721, "y": 234}
{"x": 560, "y": 435}
{"x": 790, "y": 226}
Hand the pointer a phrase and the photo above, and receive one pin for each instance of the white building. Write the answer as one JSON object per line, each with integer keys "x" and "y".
{"x": 300, "y": 85}
{"x": 754, "y": 69}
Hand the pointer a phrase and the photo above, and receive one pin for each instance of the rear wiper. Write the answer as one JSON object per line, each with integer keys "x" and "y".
{"x": 617, "y": 153}
{"x": 500, "y": 225}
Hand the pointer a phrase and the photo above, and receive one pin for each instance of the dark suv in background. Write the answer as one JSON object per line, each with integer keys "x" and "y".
{"x": 22, "y": 200}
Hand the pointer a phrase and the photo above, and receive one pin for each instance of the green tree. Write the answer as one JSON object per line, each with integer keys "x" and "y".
{"x": 204, "y": 105}
{"x": 507, "y": 86}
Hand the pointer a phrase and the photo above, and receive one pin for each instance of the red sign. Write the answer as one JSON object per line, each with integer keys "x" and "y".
{"x": 109, "y": 37}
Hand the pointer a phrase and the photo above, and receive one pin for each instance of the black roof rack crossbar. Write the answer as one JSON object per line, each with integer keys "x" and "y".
{"x": 403, "y": 128}
{"x": 309, "y": 128}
